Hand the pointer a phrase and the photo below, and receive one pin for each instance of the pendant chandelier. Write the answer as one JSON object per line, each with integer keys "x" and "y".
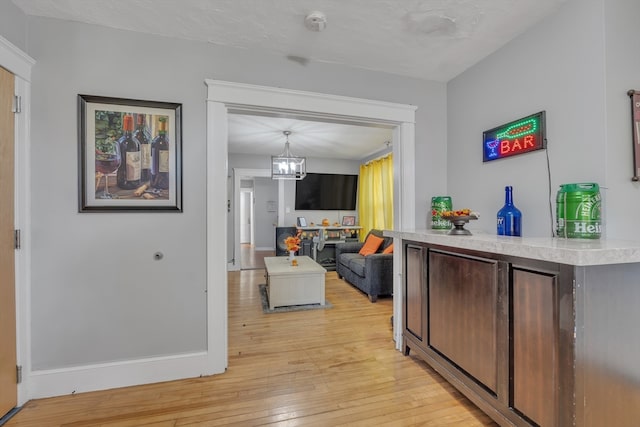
{"x": 286, "y": 165}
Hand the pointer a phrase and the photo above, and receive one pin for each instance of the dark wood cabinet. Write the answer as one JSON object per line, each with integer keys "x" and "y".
{"x": 497, "y": 328}
{"x": 415, "y": 288}
{"x": 542, "y": 337}
{"x": 534, "y": 346}
{"x": 463, "y": 313}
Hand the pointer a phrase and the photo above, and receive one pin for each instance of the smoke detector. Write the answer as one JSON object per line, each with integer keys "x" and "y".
{"x": 316, "y": 21}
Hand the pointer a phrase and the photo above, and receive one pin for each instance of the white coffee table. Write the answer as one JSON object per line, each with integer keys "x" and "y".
{"x": 289, "y": 285}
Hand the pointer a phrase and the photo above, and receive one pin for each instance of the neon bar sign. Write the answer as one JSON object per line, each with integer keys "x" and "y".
{"x": 517, "y": 137}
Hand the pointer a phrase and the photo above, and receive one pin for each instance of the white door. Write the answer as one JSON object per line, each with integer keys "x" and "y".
{"x": 246, "y": 209}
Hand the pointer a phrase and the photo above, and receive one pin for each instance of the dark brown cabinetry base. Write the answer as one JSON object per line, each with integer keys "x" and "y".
{"x": 464, "y": 314}
{"x": 414, "y": 292}
{"x": 499, "y": 328}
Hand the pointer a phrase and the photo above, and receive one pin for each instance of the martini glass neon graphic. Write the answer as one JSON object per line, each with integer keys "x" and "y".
{"x": 492, "y": 146}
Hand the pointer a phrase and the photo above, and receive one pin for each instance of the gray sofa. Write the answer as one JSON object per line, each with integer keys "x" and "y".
{"x": 372, "y": 274}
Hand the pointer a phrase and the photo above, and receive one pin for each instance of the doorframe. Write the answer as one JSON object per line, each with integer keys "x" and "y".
{"x": 225, "y": 97}
{"x": 20, "y": 64}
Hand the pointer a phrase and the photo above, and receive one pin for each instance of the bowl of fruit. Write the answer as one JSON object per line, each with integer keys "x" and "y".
{"x": 459, "y": 218}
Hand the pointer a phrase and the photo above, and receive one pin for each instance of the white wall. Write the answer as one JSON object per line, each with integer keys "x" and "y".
{"x": 13, "y": 24}
{"x": 558, "y": 66}
{"x": 266, "y": 191}
{"x": 623, "y": 73}
{"x": 98, "y": 295}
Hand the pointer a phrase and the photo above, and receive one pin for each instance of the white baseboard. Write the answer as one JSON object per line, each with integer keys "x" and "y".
{"x": 58, "y": 382}
{"x": 264, "y": 248}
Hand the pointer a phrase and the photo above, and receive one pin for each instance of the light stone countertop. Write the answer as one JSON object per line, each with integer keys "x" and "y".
{"x": 579, "y": 252}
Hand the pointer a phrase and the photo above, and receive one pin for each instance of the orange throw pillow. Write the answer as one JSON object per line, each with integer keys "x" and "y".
{"x": 371, "y": 245}
{"x": 388, "y": 249}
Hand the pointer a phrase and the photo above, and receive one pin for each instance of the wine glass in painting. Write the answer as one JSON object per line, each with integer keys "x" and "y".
{"x": 108, "y": 159}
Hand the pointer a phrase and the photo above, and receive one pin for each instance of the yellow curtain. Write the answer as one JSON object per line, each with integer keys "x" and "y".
{"x": 375, "y": 195}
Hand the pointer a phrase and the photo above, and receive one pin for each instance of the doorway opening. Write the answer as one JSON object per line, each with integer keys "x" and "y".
{"x": 330, "y": 148}
{"x": 257, "y": 218}
{"x": 226, "y": 98}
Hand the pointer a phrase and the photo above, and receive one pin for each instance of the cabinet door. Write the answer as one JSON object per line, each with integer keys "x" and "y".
{"x": 535, "y": 348}
{"x": 415, "y": 290}
{"x": 463, "y": 313}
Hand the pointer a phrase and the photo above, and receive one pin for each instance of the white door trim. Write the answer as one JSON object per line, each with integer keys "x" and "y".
{"x": 224, "y": 97}
{"x": 20, "y": 64}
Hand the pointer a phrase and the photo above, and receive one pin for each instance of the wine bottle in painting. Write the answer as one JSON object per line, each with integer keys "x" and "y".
{"x": 129, "y": 170}
{"x": 160, "y": 157}
{"x": 145, "y": 149}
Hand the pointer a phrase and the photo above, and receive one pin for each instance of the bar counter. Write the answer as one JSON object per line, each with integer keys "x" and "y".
{"x": 578, "y": 252}
{"x": 533, "y": 330}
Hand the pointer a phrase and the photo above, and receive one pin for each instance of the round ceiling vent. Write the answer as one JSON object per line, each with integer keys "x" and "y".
{"x": 316, "y": 21}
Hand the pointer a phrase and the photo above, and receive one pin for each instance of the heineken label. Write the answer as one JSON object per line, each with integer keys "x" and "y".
{"x": 579, "y": 214}
{"x": 440, "y": 204}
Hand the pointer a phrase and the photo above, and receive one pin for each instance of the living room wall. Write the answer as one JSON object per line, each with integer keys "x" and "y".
{"x": 265, "y": 194}
{"x": 317, "y": 165}
{"x": 314, "y": 164}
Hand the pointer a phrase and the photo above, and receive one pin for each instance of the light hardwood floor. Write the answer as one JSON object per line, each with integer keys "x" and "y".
{"x": 330, "y": 367}
{"x": 252, "y": 259}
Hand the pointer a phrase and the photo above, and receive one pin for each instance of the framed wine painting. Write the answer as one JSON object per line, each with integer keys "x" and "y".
{"x": 129, "y": 154}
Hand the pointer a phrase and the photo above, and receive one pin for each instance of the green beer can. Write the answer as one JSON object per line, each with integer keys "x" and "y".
{"x": 578, "y": 211}
{"x": 440, "y": 204}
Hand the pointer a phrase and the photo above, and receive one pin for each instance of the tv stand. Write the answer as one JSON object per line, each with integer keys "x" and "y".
{"x": 320, "y": 242}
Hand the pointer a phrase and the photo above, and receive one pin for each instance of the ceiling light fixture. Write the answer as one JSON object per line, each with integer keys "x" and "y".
{"x": 286, "y": 165}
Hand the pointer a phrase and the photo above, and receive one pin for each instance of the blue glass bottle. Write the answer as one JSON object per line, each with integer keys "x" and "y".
{"x": 509, "y": 217}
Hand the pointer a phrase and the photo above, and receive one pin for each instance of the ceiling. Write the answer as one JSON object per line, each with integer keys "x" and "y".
{"x": 425, "y": 39}
{"x": 264, "y": 135}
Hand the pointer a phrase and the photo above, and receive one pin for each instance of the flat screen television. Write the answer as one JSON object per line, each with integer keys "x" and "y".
{"x": 326, "y": 192}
